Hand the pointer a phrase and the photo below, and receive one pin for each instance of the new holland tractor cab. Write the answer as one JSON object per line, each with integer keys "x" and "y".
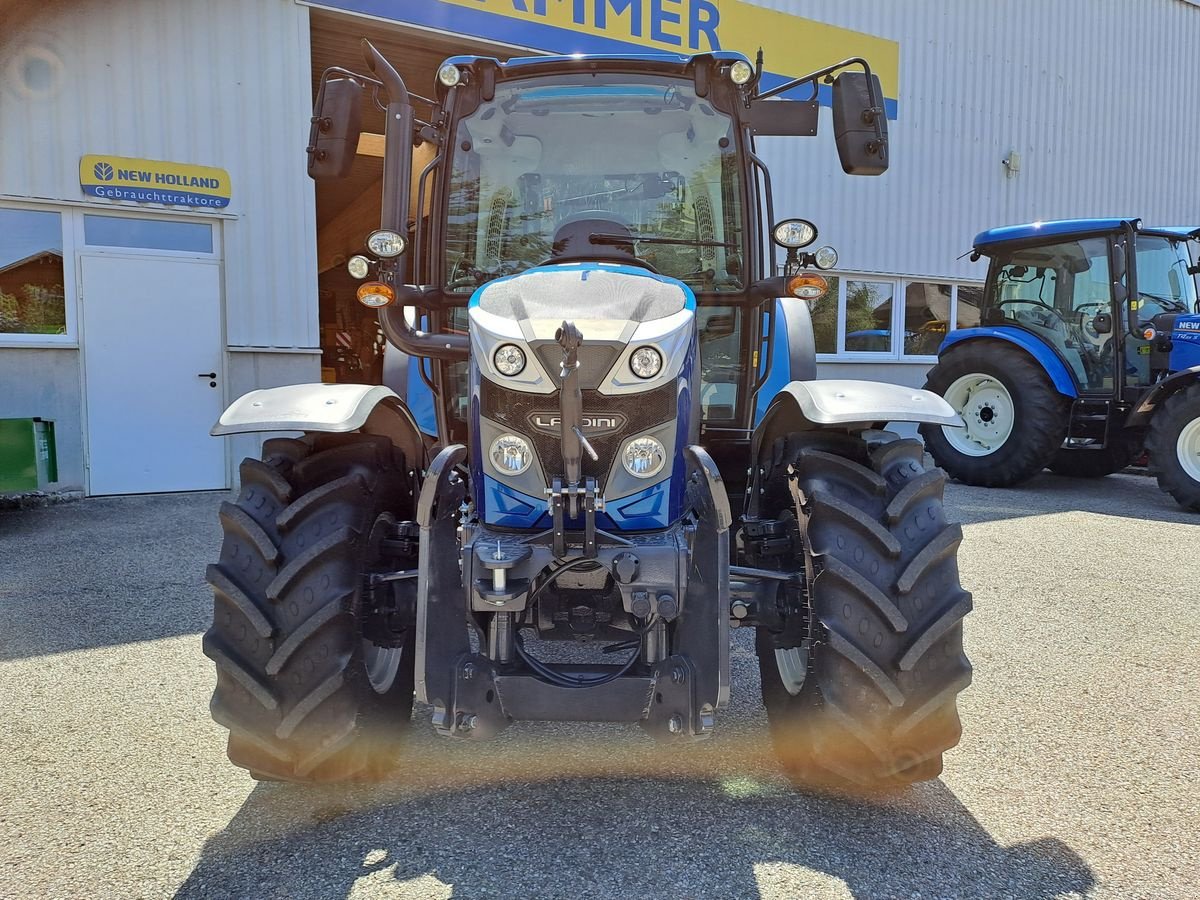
{"x": 1087, "y": 351}
{"x": 591, "y": 285}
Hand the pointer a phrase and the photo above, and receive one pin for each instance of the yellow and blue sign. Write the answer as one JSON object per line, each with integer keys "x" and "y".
{"x": 154, "y": 181}
{"x": 792, "y": 46}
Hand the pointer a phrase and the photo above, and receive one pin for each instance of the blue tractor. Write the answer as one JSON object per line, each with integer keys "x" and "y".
{"x": 1085, "y": 353}
{"x": 614, "y": 479}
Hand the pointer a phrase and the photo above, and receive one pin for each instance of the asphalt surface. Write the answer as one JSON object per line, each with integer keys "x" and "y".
{"x": 1076, "y": 775}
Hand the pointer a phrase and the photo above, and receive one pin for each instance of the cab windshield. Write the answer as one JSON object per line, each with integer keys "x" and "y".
{"x": 642, "y": 151}
{"x": 1164, "y": 283}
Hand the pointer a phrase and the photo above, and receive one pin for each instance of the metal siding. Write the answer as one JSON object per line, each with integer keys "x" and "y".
{"x": 223, "y": 83}
{"x": 1092, "y": 93}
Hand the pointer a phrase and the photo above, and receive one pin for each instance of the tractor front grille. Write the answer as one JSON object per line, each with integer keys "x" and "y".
{"x": 640, "y": 412}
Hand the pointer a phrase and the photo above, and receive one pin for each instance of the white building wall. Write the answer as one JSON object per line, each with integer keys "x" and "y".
{"x": 223, "y": 83}
{"x": 1095, "y": 96}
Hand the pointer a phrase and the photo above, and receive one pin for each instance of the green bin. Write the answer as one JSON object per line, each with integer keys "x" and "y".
{"x": 28, "y": 459}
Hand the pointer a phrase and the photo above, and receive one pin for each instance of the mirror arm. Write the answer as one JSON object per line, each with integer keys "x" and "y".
{"x": 1128, "y": 228}
{"x": 817, "y": 75}
{"x": 398, "y": 135}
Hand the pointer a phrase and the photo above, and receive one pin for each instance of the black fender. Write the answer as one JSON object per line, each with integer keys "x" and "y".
{"x": 1140, "y": 415}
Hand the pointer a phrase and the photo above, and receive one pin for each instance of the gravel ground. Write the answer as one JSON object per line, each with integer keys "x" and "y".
{"x": 1076, "y": 775}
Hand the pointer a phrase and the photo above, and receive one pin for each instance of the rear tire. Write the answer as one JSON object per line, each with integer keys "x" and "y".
{"x": 304, "y": 696}
{"x": 1174, "y": 446}
{"x": 1016, "y": 419}
{"x": 885, "y": 661}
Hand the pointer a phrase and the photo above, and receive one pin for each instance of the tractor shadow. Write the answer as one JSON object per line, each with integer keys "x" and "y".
{"x": 1128, "y": 494}
{"x": 552, "y": 811}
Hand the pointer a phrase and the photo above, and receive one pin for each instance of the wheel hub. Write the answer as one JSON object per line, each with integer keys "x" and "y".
{"x": 987, "y": 411}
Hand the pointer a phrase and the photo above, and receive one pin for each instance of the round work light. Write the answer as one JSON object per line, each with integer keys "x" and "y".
{"x": 359, "y": 267}
{"x": 646, "y": 362}
{"x": 644, "y": 457}
{"x": 825, "y": 257}
{"x": 511, "y": 455}
{"x": 509, "y": 359}
{"x": 741, "y": 72}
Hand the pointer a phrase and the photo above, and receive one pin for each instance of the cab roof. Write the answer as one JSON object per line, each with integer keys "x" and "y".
{"x": 988, "y": 240}
{"x": 652, "y": 61}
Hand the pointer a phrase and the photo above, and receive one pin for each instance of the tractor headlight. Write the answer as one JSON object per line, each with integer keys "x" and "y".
{"x": 509, "y": 359}
{"x": 646, "y": 362}
{"x": 794, "y": 233}
{"x": 449, "y": 75}
{"x": 740, "y": 72}
{"x": 385, "y": 244}
{"x": 825, "y": 257}
{"x": 359, "y": 267}
{"x": 511, "y": 455}
{"x": 644, "y": 457}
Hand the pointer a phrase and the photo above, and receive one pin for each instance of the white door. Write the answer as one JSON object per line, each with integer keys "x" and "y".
{"x": 152, "y": 353}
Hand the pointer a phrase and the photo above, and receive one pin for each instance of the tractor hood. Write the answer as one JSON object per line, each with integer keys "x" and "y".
{"x": 618, "y": 308}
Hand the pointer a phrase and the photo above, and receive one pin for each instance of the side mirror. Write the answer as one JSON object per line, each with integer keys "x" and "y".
{"x": 336, "y": 125}
{"x": 860, "y": 124}
{"x": 1102, "y": 323}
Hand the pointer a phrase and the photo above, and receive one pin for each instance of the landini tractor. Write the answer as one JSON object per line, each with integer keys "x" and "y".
{"x": 591, "y": 289}
{"x": 1087, "y": 351}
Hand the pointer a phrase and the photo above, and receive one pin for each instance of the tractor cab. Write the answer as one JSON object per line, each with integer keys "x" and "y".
{"x": 641, "y": 164}
{"x": 1096, "y": 322}
{"x": 1090, "y": 291}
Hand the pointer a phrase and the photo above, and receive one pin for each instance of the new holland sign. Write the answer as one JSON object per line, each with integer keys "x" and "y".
{"x": 154, "y": 181}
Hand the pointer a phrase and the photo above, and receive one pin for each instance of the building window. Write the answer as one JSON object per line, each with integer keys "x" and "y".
{"x": 147, "y": 234}
{"x": 860, "y": 317}
{"x": 824, "y": 313}
{"x": 927, "y": 307}
{"x": 970, "y": 302}
{"x": 32, "y": 296}
{"x": 868, "y": 306}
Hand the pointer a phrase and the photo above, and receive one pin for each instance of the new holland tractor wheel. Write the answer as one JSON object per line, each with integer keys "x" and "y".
{"x": 860, "y": 685}
{"x": 1174, "y": 445}
{"x": 1015, "y": 419}
{"x": 311, "y": 686}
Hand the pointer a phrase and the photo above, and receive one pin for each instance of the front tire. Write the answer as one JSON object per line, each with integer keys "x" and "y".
{"x": 1174, "y": 445}
{"x": 878, "y": 650}
{"x": 304, "y": 695}
{"x": 1015, "y": 418}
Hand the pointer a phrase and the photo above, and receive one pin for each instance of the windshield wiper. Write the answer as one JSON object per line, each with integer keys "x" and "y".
{"x": 1172, "y": 302}
{"x": 603, "y": 238}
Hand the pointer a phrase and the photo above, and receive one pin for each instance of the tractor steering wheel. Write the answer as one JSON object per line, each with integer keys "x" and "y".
{"x": 1045, "y": 306}
{"x": 1085, "y": 322}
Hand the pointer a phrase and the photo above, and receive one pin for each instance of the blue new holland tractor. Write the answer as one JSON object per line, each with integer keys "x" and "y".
{"x": 591, "y": 287}
{"x": 1086, "y": 351}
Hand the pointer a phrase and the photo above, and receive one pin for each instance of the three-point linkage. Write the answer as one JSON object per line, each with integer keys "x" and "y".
{"x": 574, "y": 444}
